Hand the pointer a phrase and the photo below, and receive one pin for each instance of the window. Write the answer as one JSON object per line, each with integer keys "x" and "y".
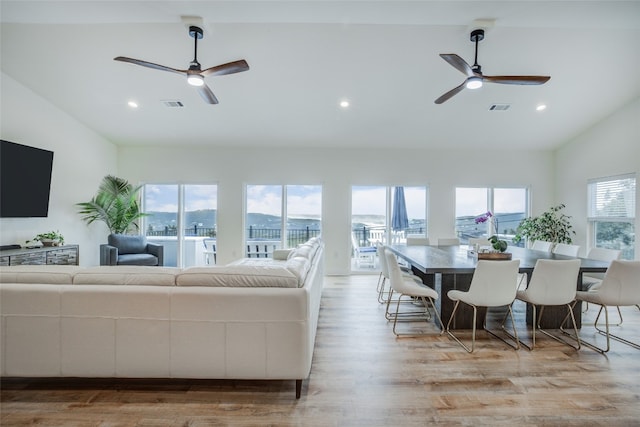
{"x": 611, "y": 213}
{"x": 183, "y": 219}
{"x": 372, "y": 214}
{"x": 507, "y": 205}
{"x": 281, "y": 216}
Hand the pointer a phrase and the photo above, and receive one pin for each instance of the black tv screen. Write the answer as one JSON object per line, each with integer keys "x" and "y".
{"x": 25, "y": 180}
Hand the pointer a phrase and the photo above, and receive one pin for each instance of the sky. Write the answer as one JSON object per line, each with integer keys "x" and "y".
{"x": 305, "y": 200}
{"x": 301, "y": 199}
{"x": 164, "y": 198}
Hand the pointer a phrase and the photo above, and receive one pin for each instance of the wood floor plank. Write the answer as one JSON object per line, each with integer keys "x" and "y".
{"x": 362, "y": 375}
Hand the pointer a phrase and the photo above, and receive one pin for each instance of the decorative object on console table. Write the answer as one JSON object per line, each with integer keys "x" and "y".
{"x": 52, "y": 238}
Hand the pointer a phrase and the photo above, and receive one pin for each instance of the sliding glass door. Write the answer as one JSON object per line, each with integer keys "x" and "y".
{"x": 280, "y": 216}
{"x": 182, "y": 217}
{"x": 380, "y": 215}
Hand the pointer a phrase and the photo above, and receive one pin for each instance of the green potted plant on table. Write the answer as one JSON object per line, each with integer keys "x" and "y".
{"x": 552, "y": 226}
{"x": 115, "y": 204}
{"x": 52, "y": 238}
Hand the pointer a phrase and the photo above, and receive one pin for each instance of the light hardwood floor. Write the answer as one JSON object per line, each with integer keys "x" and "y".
{"x": 362, "y": 375}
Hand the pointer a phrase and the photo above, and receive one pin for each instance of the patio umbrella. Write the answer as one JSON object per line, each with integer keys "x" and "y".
{"x": 399, "y": 218}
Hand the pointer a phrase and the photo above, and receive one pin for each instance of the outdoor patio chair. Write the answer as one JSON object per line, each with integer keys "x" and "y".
{"x": 363, "y": 254}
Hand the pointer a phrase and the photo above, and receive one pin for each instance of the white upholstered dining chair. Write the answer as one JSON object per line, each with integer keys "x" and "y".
{"x": 448, "y": 241}
{"x": 384, "y": 294}
{"x": 406, "y": 287}
{"x": 417, "y": 239}
{"x": 566, "y": 249}
{"x": 493, "y": 285}
{"x": 541, "y": 245}
{"x": 620, "y": 287}
{"x": 553, "y": 283}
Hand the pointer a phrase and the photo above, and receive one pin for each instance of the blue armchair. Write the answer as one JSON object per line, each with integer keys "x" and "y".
{"x": 125, "y": 249}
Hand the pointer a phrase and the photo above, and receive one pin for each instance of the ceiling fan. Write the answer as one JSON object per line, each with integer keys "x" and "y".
{"x": 195, "y": 74}
{"x": 475, "y": 78}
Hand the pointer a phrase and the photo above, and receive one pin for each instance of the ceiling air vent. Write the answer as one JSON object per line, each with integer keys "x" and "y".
{"x": 173, "y": 104}
{"x": 499, "y": 107}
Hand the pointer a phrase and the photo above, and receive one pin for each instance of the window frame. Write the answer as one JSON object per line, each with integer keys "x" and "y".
{"x": 594, "y": 219}
{"x": 490, "y": 206}
{"x": 284, "y": 214}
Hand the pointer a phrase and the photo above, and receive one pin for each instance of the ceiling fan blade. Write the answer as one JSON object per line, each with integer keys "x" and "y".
{"x": 451, "y": 93}
{"x": 458, "y": 63}
{"x": 207, "y": 95}
{"x": 149, "y": 65}
{"x": 229, "y": 68}
{"x": 517, "y": 80}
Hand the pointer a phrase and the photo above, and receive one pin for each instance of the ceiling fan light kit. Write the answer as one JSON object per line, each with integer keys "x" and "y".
{"x": 475, "y": 78}
{"x": 195, "y": 80}
{"x": 474, "y": 83}
{"x": 195, "y": 74}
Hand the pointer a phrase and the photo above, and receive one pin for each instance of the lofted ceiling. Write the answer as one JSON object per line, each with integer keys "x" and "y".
{"x": 307, "y": 56}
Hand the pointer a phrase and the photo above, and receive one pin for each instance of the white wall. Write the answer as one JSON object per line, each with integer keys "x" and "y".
{"x": 612, "y": 147}
{"x": 337, "y": 170}
{"x": 81, "y": 158}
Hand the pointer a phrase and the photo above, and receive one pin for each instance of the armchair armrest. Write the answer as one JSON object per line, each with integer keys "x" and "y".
{"x": 108, "y": 255}
{"x": 158, "y": 251}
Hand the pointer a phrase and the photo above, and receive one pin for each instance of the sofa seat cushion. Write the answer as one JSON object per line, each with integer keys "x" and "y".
{"x": 252, "y": 276}
{"x": 127, "y": 275}
{"x": 258, "y": 262}
{"x": 46, "y": 274}
{"x": 138, "y": 259}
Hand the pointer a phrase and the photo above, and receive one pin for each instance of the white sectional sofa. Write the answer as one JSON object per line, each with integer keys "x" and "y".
{"x": 252, "y": 319}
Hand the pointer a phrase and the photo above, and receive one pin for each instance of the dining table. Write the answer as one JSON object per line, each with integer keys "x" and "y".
{"x": 446, "y": 268}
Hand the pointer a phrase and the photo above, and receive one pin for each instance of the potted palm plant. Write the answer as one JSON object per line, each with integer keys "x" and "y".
{"x": 552, "y": 226}
{"x": 115, "y": 204}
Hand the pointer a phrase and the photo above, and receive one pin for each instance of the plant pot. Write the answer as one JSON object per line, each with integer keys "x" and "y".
{"x": 49, "y": 242}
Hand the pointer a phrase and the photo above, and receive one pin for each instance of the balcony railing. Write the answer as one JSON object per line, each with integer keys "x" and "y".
{"x": 368, "y": 236}
{"x": 294, "y": 237}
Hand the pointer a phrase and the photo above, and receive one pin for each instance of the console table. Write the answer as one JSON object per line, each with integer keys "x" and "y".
{"x": 51, "y": 255}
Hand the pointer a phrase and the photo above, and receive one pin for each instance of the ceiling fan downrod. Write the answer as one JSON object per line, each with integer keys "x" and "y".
{"x": 196, "y": 33}
{"x": 476, "y": 36}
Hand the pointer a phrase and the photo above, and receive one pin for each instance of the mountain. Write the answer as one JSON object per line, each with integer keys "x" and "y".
{"x": 206, "y": 218}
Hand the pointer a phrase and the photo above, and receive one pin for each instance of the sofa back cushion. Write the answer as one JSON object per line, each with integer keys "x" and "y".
{"x": 45, "y": 274}
{"x": 128, "y": 244}
{"x": 299, "y": 267}
{"x": 126, "y": 275}
{"x": 251, "y": 276}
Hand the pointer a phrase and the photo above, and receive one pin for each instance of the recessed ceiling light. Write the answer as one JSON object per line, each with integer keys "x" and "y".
{"x": 541, "y": 107}
{"x": 344, "y": 103}
{"x": 132, "y": 104}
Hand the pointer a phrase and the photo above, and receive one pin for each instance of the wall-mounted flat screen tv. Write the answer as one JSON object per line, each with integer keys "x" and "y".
{"x": 25, "y": 180}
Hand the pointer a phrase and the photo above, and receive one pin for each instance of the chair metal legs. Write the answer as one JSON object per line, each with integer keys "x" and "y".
{"x": 535, "y": 323}
{"x": 484, "y": 326}
{"x": 617, "y": 307}
{"x": 606, "y": 332}
{"x": 413, "y": 315}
